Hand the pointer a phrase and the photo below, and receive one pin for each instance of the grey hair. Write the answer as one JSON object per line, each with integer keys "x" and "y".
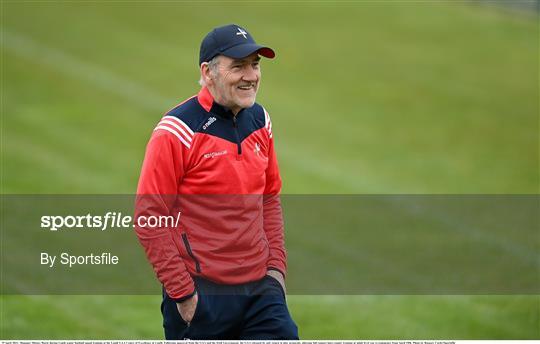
{"x": 213, "y": 66}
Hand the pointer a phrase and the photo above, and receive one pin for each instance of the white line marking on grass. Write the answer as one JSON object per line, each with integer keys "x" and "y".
{"x": 76, "y": 68}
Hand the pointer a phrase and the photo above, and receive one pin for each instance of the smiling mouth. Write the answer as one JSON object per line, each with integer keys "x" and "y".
{"x": 247, "y": 87}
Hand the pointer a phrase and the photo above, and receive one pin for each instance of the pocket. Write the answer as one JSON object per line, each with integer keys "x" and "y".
{"x": 276, "y": 284}
{"x": 199, "y": 326}
{"x": 198, "y": 309}
{"x": 190, "y": 252}
{"x": 172, "y": 320}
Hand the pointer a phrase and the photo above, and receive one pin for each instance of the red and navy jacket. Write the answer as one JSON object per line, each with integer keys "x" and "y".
{"x": 221, "y": 173}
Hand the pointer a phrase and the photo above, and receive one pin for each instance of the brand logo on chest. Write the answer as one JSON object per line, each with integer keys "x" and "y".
{"x": 208, "y": 123}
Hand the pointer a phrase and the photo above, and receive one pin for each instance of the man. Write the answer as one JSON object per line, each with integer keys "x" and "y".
{"x": 212, "y": 159}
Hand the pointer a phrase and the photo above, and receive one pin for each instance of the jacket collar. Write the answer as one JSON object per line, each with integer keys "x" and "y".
{"x": 206, "y": 100}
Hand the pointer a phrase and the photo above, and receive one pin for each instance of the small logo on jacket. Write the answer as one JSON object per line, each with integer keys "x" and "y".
{"x": 257, "y": 149}
{"x": 214, "y": 154}
{"x": 208, "y": 123}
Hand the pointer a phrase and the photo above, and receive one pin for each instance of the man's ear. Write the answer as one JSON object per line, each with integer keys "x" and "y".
{"x": 206, "y": 74}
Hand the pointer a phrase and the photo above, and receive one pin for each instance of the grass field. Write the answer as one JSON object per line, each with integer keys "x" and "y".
{"x": 366, "y": 98}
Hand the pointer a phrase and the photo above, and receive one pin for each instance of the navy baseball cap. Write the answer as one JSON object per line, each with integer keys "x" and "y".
{"x": 233, "y": 41}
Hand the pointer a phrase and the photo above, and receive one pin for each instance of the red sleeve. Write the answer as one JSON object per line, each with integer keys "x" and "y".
{"x": 162, "y": 170}
{"x": 272, "y": 213}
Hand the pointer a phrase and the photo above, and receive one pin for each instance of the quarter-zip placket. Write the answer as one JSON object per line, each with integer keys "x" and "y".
{"x": 238, "y": 143}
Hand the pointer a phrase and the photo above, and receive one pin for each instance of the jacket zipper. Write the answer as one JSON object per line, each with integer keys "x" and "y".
{"x": 190, "y": 252}
{"x": 235, "y": 125}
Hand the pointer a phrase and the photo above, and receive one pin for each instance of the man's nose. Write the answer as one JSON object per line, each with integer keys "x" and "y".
{"x": 251, "y": 74}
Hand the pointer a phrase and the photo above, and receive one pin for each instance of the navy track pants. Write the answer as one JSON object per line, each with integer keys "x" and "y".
{"x": 251, "y": 311}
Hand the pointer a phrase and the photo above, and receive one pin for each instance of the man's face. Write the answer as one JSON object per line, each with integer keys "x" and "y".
{"x": 236, "y": 82}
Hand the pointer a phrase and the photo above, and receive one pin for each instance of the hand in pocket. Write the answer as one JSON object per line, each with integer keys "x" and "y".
{"x": 188, "y": 307}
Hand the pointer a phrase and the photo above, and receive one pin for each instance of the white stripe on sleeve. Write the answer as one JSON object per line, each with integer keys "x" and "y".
{"x": 186, "y": 135}
{"x": 162, "y": 127}
{"x": 180, "y": 122}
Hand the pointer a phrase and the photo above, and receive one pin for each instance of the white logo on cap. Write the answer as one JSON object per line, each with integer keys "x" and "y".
{"x": 241, "y": 32}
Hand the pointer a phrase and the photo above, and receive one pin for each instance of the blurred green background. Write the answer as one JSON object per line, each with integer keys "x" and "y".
{"x": 365, "y": 97}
